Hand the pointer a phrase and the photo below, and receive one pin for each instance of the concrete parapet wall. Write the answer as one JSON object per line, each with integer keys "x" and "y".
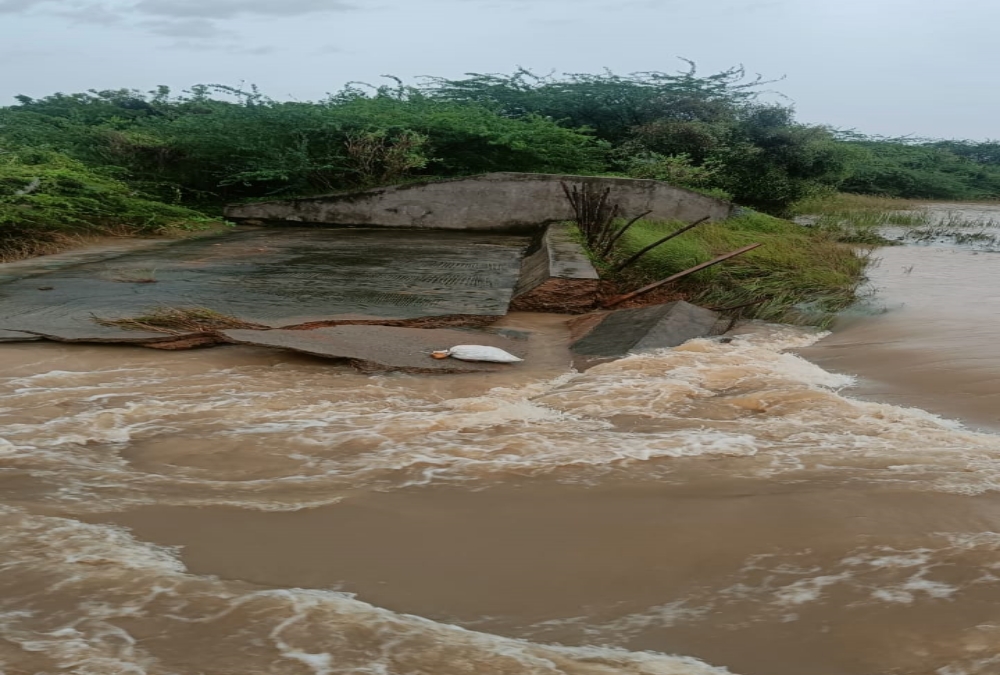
{"x": 494, "y": 201}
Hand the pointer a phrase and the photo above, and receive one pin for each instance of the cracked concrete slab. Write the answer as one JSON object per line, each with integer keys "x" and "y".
{"x": 275, "y": 277}
{"x": 17, "y": 336}
{"x": 384, "y": 347}
{"x": 604, "y": 336}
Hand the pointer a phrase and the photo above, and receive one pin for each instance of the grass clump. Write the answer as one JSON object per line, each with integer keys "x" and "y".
{"x": 49, "y": 201}
{"x": 180, "y": 320}
{"x": 882, "y": 221}
{"x": 859, "y": 219}
{"x": 958, "y": 229}
{"x": 799, "y": 275}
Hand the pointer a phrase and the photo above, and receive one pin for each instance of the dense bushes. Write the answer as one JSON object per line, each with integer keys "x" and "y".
{"x": 214, "y": 149}
{"x": 215, "y": 144}
{"x": 925, "y": 169}
{"x": 46, "y": 197}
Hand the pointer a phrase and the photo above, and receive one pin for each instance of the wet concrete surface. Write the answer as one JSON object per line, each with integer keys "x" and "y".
{"x": 17, "y": 336}
{"x": 384, "y": 347}
{"x": 603, "y": 336}
{"x": 272, "y": 276}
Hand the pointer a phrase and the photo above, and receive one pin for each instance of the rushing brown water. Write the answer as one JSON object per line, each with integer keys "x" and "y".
{"x": 721, "y": 507}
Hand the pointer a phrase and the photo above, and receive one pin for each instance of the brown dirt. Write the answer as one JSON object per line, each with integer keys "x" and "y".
{"x": 559, "y": 296}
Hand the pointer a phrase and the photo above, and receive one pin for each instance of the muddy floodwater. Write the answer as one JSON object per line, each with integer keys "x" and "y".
{"x": 788, "y": 503}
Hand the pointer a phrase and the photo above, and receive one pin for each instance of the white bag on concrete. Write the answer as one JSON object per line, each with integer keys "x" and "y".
{"x": 476, "y": 353}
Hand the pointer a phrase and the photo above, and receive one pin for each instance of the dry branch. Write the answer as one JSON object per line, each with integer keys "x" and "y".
{"x": 645, "y": 289}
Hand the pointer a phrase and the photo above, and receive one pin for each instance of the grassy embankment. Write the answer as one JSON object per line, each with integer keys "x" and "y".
{"x": 799, "y": 275}
{"x": 805, "y": 271}
{"x": 50, "y": 202}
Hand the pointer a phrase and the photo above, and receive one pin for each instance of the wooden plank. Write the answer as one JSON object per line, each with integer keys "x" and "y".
{"x": 645, "y": 289}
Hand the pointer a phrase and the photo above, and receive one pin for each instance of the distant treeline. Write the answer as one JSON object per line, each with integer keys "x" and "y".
{"x": 129, "y": 157}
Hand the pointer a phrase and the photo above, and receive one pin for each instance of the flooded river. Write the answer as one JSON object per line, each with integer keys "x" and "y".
{"x": 748, "y": 507}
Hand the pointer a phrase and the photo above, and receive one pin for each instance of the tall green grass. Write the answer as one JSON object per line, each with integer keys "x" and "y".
{"x": 885, "y": 221}
{"x": 859, "y": 219}
{"x": 960, "y": 230}
{"x": 799, "y": 275}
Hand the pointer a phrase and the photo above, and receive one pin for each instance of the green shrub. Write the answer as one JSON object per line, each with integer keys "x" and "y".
{"x": 46, "y": 197}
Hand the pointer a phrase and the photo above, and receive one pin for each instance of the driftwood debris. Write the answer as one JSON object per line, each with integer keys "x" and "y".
{"x": 645, "y": 289}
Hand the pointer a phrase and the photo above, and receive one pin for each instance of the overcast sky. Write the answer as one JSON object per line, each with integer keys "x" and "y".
{"x": 892, "y": 67}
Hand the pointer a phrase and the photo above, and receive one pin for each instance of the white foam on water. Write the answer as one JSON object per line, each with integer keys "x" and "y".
{"x": 247, "y": 436}
{"x": 983, "y": 666}
{"x": 113, "y": 586}
{"x": 779, "y": 587}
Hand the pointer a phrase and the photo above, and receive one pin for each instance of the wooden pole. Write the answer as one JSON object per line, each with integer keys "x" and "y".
{"x": 621, "y": 266}
{"x": 606, "y": 249}
{"x": 645, "y": 289}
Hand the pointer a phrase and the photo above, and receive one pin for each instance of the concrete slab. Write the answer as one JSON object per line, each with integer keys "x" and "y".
{"x": 603, "y": 336}
{"x": 384, "y": 347}
{"x": 101, "y": 250}
{"x": 275, "y": 277}
{"x": 17, "y": 336}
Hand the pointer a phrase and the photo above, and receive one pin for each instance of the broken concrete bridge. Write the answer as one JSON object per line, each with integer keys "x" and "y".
{"x": 379, "y": 278}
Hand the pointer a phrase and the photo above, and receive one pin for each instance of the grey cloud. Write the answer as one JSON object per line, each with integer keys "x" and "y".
{"x": 186, "y": 19}
{"x": 224, "y": 46}
{"x": 96, "y": 14}
{"x": 184, "y": 28}
{"x": 755, "y": 6}
{"x": 192, "y": 20}
{"x": 18, "y": 6}
{"x": 226, "y": 9}
{"x": 263, "y": 50}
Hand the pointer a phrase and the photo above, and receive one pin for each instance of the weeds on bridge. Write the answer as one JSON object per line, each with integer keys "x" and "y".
{"x": 180, "y": 320}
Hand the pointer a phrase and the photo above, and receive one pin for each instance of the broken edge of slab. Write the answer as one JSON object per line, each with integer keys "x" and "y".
{"x": 17, "y": 336}
{"x": 604, "y": 336}
{"x": 383, "y": 348}
{"x": 557, "y": 277}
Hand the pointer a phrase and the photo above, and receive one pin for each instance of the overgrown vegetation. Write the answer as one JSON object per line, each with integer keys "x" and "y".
{"x": 799, "y": 275}
{"x": 715, "y": 133}
{"x": 858, "y": 219}
{"x": 48, "y": 199}
{"x": 145, "y": 162}
{"x": 923, "y": 169}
